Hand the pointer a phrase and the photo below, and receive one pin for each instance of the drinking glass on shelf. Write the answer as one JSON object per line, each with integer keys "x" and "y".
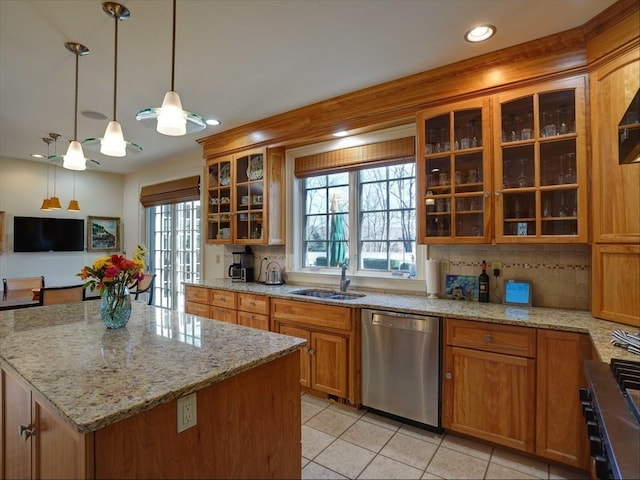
{"x": 473, "y": 176}
{"x": 443, "y": 178}
{"x": 570, "y": 176}
{"x": 560, "y": 177}
{"x": 522, "y": 180}
{"x": 562, "y": 211}
{"x": 458, "y": 177}
{"x": 546, "y": 210}
{"x": 549, "y": 128}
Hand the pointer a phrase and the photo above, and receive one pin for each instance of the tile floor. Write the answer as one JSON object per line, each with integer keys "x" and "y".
{"x": 340, "y": 442}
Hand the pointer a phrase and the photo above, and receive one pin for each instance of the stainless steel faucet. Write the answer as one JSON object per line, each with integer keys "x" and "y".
{"x": 344, "y": 281}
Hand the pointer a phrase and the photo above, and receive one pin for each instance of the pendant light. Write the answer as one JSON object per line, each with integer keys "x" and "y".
{"x": 171, "y": 119}
{"x": 74, "y": 206}
{"x": 47, "y": 202}
{"x": 113, "y": 143}
{"x": 74, "y": 158}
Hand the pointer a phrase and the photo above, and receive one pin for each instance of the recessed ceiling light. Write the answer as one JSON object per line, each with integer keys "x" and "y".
{"x": 341, "y": 133}
{"x": 480, "y": 33}
{"x": 37, "y": 155}
{"x": 213, "y": 121}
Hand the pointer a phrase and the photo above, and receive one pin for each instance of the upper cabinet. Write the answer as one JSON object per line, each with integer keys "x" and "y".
{"x": 454, "y": 173}
{"x": 540, "y": 157}
{"x": 245, "y": 198}
{"x": 519, "y": 176}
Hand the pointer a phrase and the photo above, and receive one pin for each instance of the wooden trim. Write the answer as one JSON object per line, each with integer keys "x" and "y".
{"x": 373, "y": 154}
{"x": 610, "y": 18}
{"x": 175, "y": 191}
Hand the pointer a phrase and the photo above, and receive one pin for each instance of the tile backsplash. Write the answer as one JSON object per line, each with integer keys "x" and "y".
{"x": 559, "y": 273}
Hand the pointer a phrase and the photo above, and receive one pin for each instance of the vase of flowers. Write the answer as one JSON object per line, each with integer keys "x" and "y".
{"x": 113, "y": 276}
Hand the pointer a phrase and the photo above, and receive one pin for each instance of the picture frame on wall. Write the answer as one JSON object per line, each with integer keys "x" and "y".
{"x": 103, "y": 234}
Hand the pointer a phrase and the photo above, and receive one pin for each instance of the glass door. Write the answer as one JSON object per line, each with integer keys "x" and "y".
{"x": 219, "y": 201}
{"x": 249, "y": 198}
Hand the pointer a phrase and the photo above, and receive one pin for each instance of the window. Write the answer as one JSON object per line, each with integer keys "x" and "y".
{"x": 383, "y": 220}
{"x": 174, "y": 250}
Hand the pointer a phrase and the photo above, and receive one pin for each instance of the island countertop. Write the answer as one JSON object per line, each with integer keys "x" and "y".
{"x": 539, "y": 317}
{"x": 94, "y": 377}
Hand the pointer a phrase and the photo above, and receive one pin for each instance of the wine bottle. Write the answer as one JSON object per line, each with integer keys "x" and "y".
{"x": 483, "y": 281}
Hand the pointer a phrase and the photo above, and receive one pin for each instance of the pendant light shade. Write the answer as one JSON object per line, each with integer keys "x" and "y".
{"x": 113, "y": 143}
{"x": 74, "y": 158}
{"x": 170, "y": 118}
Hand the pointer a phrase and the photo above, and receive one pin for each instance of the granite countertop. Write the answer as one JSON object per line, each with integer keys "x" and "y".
{"x": 95, "y": 377}
{"x": 550, "y": 318}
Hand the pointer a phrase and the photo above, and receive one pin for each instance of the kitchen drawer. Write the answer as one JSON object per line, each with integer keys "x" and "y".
{"x": 248, "y": 302}
{"x": 197, "y": 309}
{"x": 490, "y": 337}
{"x": 222, "y": 298}
{"x": 314, "y": 314}
{"x": 254, "y": 320}
{"x": 228, "y": 315}
{"x": 197, "y": 294}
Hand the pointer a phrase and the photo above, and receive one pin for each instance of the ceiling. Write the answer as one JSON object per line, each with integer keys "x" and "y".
{"x": 236, "y": 60}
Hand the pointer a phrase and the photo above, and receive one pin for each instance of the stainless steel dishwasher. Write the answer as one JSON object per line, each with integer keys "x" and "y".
{"x": 401, "y": 365}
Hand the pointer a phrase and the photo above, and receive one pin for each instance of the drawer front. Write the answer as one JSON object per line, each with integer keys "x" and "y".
{"x": 507, "y": 339}
{"x": 222, "y": 298}
{"x": 248, "y": 302}
{"x": 197, "y": 294}
{"x": 254, "y": 320}
{"x": 309, "y": 313}
{"x": 197, "y": 309}
{"x": 223, "y": 314}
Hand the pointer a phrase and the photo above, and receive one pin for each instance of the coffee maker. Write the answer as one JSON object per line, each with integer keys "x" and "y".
{"x": 241, "y": 270}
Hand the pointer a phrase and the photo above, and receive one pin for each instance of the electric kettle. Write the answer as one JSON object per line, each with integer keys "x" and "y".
{"x": 273, "y": 275}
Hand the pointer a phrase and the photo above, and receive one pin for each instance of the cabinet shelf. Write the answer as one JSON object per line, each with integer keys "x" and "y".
{"x": 559, "y": 219}
{"x": 524, "y": 219}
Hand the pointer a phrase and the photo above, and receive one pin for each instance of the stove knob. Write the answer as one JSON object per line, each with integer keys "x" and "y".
{"x": 602, "y": 467}
{"x": 596, "y": 446}
{"x": 585, "y": 396}
{"x": 593, "y": 428}
{"x": 589, "y": 413}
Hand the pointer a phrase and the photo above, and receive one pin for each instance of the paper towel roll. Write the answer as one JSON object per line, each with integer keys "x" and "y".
{"x": 433, "y": 278}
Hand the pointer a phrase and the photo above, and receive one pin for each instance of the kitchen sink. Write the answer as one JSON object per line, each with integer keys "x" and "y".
{"x": 330, "y": 294}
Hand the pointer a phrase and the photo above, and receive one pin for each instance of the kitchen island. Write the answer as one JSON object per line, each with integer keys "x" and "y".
{"x": 81, "y": 401}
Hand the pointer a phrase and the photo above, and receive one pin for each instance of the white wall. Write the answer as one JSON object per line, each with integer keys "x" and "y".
{"x": 23, "y": 186}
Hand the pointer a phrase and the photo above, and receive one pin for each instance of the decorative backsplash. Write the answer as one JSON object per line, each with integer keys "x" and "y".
{"x": 559, "y": 273}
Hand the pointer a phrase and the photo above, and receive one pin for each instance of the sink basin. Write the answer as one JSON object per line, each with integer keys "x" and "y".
{"x": 330, "y": 294}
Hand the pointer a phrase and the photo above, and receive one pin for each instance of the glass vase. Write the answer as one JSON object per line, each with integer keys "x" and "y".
{"x": 115, "y": 306}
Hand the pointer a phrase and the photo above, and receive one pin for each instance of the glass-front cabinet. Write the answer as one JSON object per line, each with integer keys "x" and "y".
{"x": 245, "y": 197}
{"x": 454, "y": 173}
{"x": 540, "y": 164}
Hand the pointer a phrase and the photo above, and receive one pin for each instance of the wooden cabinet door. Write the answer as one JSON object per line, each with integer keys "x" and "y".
{"x": 305, "y": 358}
{"x": 490, "y": 396}
{"x": 16, "y": 412}
{"x": 228, "y": 315}
{"x": 200, "y": 309}
{"x": 329, "y": 362}
{"x": 254, "y": 320}
{"x": 561, "y": 432}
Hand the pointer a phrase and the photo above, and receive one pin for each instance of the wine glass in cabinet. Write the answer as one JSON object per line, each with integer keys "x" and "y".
{"x": 453, "y": 161}
{"x": 540, "y": 164}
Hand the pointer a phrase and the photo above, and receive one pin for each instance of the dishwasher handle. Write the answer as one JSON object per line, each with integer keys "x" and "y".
{"x": 403, "y": 321}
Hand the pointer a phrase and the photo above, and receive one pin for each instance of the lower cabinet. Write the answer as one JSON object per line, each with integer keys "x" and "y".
{"x": 517, "y": 387}
{"x": 328, "y": 363}
{"x": 253, "y": 311}
{"x": 36, "y": 443}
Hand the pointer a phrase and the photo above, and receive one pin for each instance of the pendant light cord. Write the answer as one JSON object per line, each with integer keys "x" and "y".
{"x": 173, "y": 48}
{"x": 75, "y": 122}
{"x": 115, "y": 71}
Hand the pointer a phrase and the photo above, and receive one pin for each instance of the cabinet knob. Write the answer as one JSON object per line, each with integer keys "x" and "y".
{"x": 448, "y": 376}
{"x": 487, "y": 194}
{"x": 498, "y": 192}
{"x": 487, "y": 337}
{"x": 311, "y": 351}
{"x": 26, "y": 432}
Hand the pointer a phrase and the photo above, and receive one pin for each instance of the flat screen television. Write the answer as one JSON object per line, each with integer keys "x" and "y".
{"x": 35, "y": 234}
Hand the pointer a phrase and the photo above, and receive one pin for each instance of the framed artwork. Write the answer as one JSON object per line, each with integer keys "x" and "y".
{"x": 103, "y": 234}
{"x": 462, "y": 287}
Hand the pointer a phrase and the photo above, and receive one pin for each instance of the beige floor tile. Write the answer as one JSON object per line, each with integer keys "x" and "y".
{"x": 387, "y": 468}
{"x": 521, "y": 463}
{"x": 331, "y": 422}
{"x": 310, "y": 410}
{"x": 314, "y": 471}
{"x": 430, "y": 476}
{"x": 470, "y": 447}
{"x": 381, "y": 421}
{"x": 559, "y": 473}
{"x": 500, "y": 472}
{"x": 422, "y": 434}
{"x": 347, "y": 410}
{"x": 410, "y": 450}
{"x": 447, "y": 463}
{"x": 305, "y": 461}
{"x": 314, "y": 441}
{"x": 321, "y": 402}
{"x": 367, "y": 435}
{"x": 345, "y": 458}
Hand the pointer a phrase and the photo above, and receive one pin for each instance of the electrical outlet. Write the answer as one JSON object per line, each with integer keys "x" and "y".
{"x": 187, "y": 412}
{"x": 444, "y": 266}
{"x": 217, "y": 258}
{"x": 496, "y": 265}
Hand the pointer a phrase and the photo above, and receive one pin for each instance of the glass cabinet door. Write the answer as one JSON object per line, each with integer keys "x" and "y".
{"x": 452, "y": 166}
{"x": 540, "y": 167}
{"x": 249, "y": 198}
{"x": 219, "y": 200}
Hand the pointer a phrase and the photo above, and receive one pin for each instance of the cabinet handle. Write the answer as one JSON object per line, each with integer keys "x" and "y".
{"x": 27, "y": 432}
{"x": 498, "y": 192}
{"x": 487, "y": 194}
{"x": 487, "y": 337}
{"x": 310, "y": 351}
{"x": 448, "y": 376}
